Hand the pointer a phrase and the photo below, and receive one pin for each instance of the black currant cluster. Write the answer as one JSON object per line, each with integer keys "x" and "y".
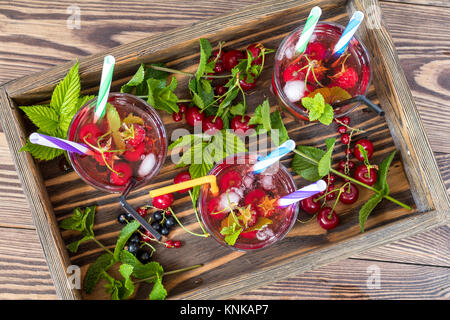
{"x": 163, "y": 223}
{"x": 134, "y": 246}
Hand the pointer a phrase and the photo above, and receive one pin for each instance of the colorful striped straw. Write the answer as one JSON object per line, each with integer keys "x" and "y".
{"x": 308, "y": 30}
{"x": 348, "y": 33}
{"x": 58, "y": 143}
{"x": 105, "y": 85}
{"x": 302, "y": 193}
{"x": 273, "y": 157}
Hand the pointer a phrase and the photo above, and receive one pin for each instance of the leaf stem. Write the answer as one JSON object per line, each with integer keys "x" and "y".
{"x": 168, "y": 273}
{"x": 184, "y": 228}
{"x": 102, "y": 246}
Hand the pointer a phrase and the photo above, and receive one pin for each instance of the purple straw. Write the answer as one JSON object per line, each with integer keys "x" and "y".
{"x": 302, "y": 193}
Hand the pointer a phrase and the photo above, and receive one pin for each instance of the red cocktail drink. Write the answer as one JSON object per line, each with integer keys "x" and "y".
{"x": 129, "y": 141}
{"x": 317, "y": 70}
{"x": 245, "y": 214}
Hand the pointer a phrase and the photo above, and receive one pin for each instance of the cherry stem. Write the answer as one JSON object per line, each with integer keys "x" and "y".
{"x": 184, "y": 228}
{"x": 196, "y": 214}
{"x": 353, "y": 180}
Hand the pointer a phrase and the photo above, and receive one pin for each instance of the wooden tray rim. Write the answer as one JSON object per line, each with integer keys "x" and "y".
{"x": 42, "y": 211}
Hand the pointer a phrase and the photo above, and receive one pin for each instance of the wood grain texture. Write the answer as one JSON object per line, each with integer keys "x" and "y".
{"x": 327, "y": 283}
{"x": 25, "y": 274}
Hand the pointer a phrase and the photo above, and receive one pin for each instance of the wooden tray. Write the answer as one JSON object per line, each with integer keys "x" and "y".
{"x": 414, "y": 177}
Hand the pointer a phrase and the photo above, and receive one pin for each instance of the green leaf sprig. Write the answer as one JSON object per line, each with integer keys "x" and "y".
{"x": 130, "y": 268}
{"x": 318, "y": 109}
{"x": 54, "y": 119}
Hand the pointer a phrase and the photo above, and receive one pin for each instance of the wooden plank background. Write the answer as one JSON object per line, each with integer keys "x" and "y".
{"x": 34, "y": 36}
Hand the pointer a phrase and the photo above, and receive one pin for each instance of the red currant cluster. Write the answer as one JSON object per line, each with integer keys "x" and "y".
{"x": 348, "y": 192}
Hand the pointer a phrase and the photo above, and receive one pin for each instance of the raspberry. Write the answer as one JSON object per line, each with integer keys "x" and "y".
{"x": 346, "y": 79}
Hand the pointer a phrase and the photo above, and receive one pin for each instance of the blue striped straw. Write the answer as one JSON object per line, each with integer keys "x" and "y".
{"x": 348, "y": 33}
{"x": 263, "y": 163}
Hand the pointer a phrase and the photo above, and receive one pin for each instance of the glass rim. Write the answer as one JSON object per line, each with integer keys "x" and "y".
{"x": 159, "y": 126}
{"x": 294, "y": 208}
{"x": 280, "y": 92}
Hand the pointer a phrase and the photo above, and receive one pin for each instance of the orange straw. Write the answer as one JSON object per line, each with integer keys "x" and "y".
{"x": 211, "y": 179}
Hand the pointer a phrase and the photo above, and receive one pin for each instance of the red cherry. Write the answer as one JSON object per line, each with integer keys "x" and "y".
{"x": 345, "y": 138}
{"x": 163, "y": 202}
{"x": 254, "y": 197}
{"x": 342, "y": 129}
{"x": 327, "y": 219}
{"x": 122, "y": 174}
{"x": 366, "y": 176}
{"x": 292, "y": 73}
{"x": 99, "y": 158}
{"x": 219, "y": 67}
{"x": 330, "y": 178}
{"x": 240, "y": 124}
{"x": 229, "y": 180}
{"x": 177, "y": 116}
{"x": 316, "y": 50}
{"x": 142, "y": 211}
{"x": 194, "y": 116}
{"x": 134, "y": 154}
{"x": 309, "y": 205}
{"x": 246, "y": 85}
{"x": 220, "y": 90}
{"x": 350, "y": 194}
{"x": 182, "y": 108}
{"x": 211, "y": 125}
{"x": 347, "y": 79}
{"x": 255, "y": 50}
{"x": 138, "y": 137}
{"x": 90, "y": 133}
{"x": 212, "y": 209}
{"x": 216, "y": 53}
{"x": 331, "y": 195}
{"x": 182, "y": 177}
{"x": 231, "y": 59}
{"x": 367, "y": 145}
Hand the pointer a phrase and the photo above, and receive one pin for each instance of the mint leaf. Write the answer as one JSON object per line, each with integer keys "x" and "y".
{"x": 66, "y": 93}
{"x": 383, "y": 170}
{"x": 231, "y": 233}
{"x": 148, "y": 272}
{"x": 238, "y": 109}
{"x": 327, "y": 116}
{"x": 202, "y": 97}
{"x": 318, "y": 109}
{"x": 124, "y": 235}
{"x": 325, "y": 162}
{"x": 162, "y": 97}
{"x": 127, "y": 288}
{"x": 43, "y": 117}
{"x": 278, "y": 133}
{"x": 304, "y": 167}
{"x": 136, "y": 80}
{"x": 73, "y": 246}
{"x": 205, "y": 53}
{"x": 158, "y": 291}
{"x": 367, "y": 208}
{"x": 95, "y": 270}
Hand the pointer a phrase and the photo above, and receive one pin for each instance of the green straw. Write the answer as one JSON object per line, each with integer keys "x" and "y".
{"x": 105, "y": 85}
{"x": 308, "y": 30}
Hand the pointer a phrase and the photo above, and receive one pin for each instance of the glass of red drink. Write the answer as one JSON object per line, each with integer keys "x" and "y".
{"x": 249, "y": 202}
{"x": 130, "y": 142}
{"x": 318, "y": 71}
